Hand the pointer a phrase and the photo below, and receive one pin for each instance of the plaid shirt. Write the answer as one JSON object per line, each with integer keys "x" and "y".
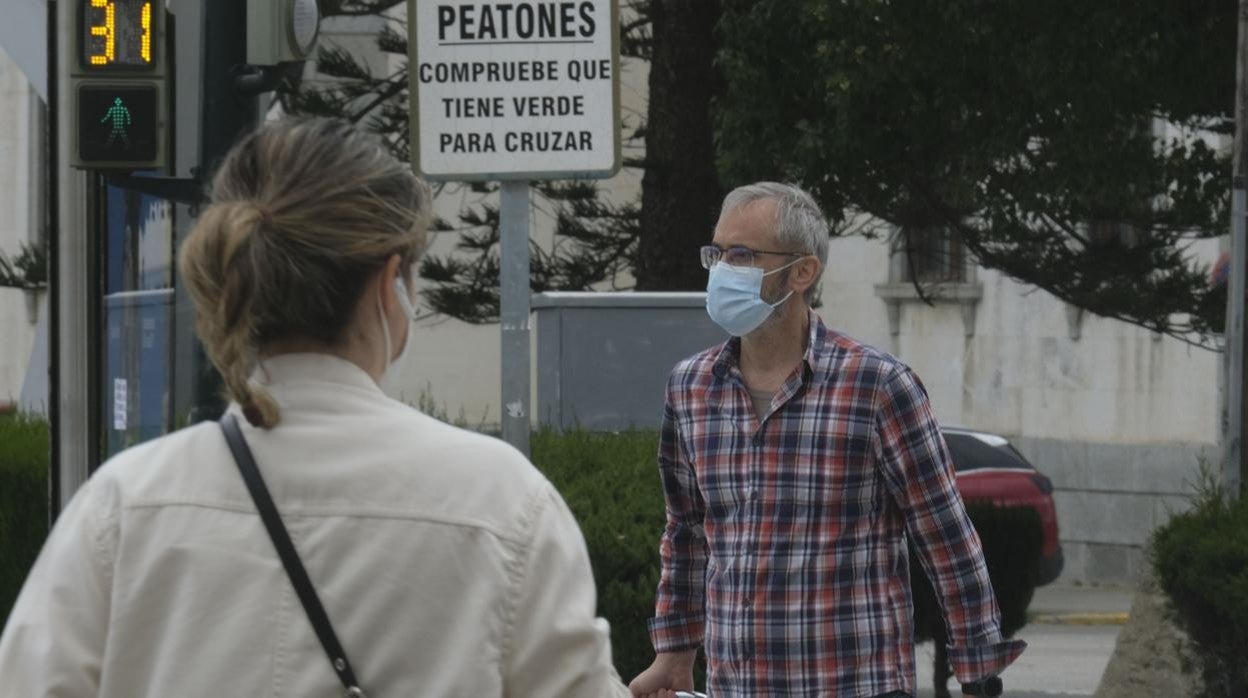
{"x": 785, "y": 548}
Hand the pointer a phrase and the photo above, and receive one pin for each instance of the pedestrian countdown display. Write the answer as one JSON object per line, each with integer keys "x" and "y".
{"x": 117, "y": 34}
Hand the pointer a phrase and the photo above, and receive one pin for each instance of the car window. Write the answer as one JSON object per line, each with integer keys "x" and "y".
{"x": 970, "y": 453}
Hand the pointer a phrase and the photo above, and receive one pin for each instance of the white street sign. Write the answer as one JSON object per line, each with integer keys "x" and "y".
{"x": 514, "y": 90}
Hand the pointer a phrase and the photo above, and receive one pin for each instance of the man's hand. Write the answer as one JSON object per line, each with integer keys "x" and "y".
{"x": 671, "y": 671}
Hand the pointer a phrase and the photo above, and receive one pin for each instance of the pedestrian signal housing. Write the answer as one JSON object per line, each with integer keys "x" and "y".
{"x": 119, "y": 85}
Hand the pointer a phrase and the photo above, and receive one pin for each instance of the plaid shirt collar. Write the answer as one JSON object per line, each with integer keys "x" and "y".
{"x": 817, "y": 363}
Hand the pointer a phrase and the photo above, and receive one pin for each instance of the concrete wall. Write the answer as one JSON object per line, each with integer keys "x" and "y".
{"x": 1111, "y": 497}
{"x": 1118, "y": 417}
{"x": 1022, "y": 373}
{"x": 20, "y": 213}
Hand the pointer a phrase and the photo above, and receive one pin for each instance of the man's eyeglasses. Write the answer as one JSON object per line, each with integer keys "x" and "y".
{"x": 736, "y": 256}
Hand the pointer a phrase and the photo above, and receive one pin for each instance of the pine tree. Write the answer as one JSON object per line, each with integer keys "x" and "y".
{"x": 596, "y": 239}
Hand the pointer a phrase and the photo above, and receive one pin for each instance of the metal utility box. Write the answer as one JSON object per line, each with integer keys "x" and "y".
{"x": 603, "y": 359}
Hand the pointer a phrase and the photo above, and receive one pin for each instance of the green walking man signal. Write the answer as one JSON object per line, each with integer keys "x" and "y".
{"x": 120, "y": 116}
{"x": 118, "y": 125}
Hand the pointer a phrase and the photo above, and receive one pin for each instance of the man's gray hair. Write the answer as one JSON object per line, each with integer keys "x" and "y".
{"x": 800, "y": 225}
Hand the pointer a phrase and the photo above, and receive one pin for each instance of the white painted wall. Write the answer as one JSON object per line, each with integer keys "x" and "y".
{"x": 18, "y": 216}
{"x": 1022, "y": 374}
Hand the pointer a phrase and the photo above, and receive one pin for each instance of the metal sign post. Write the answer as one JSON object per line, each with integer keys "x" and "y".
{"x": 513, "y": 92}
{"x": 1235, "y": 466}
{"x": 73, "y": 362}
{"x": 514, "y": 311}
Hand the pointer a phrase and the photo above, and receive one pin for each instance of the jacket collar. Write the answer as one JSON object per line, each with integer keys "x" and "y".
{"x": 277, "y": 372}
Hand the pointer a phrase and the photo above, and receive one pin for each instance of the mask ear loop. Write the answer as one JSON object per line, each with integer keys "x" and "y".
{"x": 788, "y": 295}
{"x": 405, "y": 298}
{"x": 782, "y": 301}
{"x": 385, "y": 332}
{"x": 780, "y": 269}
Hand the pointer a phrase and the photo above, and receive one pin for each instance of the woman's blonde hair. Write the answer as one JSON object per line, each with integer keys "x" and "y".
{"x": 302, "y": 213}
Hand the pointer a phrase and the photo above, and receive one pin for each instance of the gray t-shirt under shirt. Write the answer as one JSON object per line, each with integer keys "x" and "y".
{"x": 762, "y": 402}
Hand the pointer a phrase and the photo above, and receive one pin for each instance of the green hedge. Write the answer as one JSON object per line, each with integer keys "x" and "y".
{"x": 611, "y": 483}
{"x": 23, "y": 502}
{"x": 1201, "y": 560}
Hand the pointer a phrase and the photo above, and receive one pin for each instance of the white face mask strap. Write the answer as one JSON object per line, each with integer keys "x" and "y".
{"x": 405, "y": 298}
{"x": 385, "y": 332}
{"x": 780, "y": 302}
{"x": 788, "y": 295}
{"x": 773, "y": 271}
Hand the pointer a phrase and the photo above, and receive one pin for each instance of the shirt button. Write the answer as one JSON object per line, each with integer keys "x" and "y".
{"x": 758, "y": 439}
{"x": 753, "y": 495}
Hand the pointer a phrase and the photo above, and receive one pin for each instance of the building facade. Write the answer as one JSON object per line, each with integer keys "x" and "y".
{"x": 22, "y": 208}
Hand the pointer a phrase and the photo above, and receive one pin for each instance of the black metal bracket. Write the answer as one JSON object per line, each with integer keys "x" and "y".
{"x": 253, "y": 80}
{"x": 188, "y": 190}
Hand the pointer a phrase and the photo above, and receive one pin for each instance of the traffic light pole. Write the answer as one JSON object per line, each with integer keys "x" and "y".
{"x": 1236, "y": 465}
{"x": 73, "y": 296}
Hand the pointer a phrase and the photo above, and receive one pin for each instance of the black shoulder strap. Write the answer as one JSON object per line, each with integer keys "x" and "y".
{"x": 290, "y": 558}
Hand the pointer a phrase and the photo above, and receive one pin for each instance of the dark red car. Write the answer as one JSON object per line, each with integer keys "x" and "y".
{"x": 989, "y": 468}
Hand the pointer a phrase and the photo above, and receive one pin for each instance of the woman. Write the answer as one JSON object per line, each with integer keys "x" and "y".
{"x": 447, "y": 564}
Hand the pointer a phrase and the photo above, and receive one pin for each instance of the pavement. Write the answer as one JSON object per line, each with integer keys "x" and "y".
{"x": 1070, "y": 638}
{"x": 1080, "y": 605}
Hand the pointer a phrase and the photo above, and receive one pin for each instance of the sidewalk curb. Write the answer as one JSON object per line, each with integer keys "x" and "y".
{"x": 1079, "y": 618}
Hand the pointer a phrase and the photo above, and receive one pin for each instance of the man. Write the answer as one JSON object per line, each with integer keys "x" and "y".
{"x": 795, "y": 462}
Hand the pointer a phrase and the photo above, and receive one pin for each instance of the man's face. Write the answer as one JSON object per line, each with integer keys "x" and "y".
{"x": 753, "y": 226}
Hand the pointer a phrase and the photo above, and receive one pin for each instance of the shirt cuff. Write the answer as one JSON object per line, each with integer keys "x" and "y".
{"x": 676, "y": 633}
{"x": 982, "y": 661}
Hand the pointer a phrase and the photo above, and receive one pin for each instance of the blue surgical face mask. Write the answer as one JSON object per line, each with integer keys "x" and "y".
{"x": 734, "y": 297}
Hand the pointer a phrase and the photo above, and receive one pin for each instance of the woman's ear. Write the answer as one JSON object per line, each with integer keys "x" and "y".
{"x": 389, "y": 273}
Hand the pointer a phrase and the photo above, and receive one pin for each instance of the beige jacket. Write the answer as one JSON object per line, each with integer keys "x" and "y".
{"x": 448, "y": 565}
